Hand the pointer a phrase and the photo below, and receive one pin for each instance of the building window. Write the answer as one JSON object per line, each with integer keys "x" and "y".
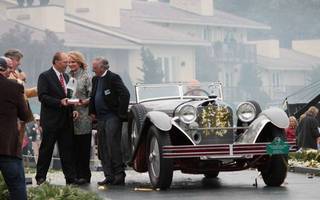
{"x": 171, "y": 66}
{"x": 207, "y": 33}
{"x": 276, "y": 79}
{"x": 166, "y": 68}
{"x": 228, "y": 79}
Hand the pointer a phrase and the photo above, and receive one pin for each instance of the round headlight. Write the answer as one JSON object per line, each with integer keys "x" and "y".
{"x": 246, "y": 111}
{"x": 188, "y": 114}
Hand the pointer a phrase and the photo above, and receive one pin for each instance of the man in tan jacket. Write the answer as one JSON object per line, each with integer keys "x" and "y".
{"x": 15, "y": 57}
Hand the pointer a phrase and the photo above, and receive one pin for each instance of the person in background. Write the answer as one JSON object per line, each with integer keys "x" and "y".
{"x": 34, "y": 132}
{"x": 301, "y": 117}
{"x": 193, "y": 88}
{"x": 109, "y": 104}
{"x": 291, "y": 130}
{"x": 82, "y": 125}
{"x": 56, "y": 120}
{"x": 15, "y": 56}
{"x": 12, "y": 108}
{"x": 29, "y": 3}
{"x": 308, "y": 132}
{"x": 21, "y": 3}
{"x": 299, "y": 127}
{"x": 17, "y": 74}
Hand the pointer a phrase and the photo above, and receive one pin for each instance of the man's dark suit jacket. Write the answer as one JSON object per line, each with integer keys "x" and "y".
{"x": 53, "y": 115}
{"x": 12, "y": 107}
{"x": 117, "y": 97}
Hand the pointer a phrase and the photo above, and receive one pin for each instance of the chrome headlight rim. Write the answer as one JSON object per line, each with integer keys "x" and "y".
{"x": 243, "y": 110}
{"x": 187, "y": 114}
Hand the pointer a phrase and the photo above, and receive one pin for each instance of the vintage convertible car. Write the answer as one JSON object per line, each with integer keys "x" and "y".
{"x": 188, "y": 127}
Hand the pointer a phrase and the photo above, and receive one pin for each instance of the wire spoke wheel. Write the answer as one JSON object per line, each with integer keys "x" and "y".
{"x": 154, "y": 157}
{"x": 134, "y": 135}
{"x": 160, "y": 169}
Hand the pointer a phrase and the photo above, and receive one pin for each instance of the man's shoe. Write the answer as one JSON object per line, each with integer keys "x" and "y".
{"x": 82, "y": 181}
{"x": 71, "y": 182}
{"x": 106, "y": 181}
{"x": 119, "y": 179}
{"x": 40, "y": 181}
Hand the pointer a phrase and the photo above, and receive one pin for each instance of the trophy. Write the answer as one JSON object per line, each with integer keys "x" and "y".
{"x": 71, "y": 90}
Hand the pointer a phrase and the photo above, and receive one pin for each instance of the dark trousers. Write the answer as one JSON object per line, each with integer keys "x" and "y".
{"x": 82, "y": 145}
{"x": 109, "y": 146}
{"x": 13, "y": 174}
{"x": 64, "y": 137}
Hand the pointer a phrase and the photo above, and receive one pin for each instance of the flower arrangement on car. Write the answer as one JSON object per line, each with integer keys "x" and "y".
{"x": 214, "y": 116}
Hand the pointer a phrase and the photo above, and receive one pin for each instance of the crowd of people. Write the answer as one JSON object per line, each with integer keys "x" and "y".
{"x": 71, "y": 101}
{"x": 306, "y": 130}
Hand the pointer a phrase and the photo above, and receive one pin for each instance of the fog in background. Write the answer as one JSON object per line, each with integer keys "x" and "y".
{"x": 265, "y": 71}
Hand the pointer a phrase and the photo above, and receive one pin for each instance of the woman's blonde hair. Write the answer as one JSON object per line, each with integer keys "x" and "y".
{"x": 302, "y": 116}
{"x": 79, "y": 58}
{"x": 313, "y": 111}
{"x": 294, "y": 120}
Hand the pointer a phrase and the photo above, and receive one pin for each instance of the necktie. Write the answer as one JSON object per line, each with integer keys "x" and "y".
{"x": 62, "y": 83}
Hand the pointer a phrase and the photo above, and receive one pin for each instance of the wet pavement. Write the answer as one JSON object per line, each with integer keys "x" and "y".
{"x": 229, "y": 185}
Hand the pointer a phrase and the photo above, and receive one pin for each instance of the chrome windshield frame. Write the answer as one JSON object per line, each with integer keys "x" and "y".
{"x": 180, "y": 92}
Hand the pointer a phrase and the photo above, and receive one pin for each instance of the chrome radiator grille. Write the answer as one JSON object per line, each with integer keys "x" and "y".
{"x": 213, "y": 121}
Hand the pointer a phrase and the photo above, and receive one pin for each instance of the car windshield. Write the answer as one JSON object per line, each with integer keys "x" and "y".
{"x": 146, "y": 92}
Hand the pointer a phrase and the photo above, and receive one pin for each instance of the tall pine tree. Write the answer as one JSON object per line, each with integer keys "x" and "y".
{"x": 250, "y": 85}
{"x": 206, "y": 69}
{"x": 151, "y": 68}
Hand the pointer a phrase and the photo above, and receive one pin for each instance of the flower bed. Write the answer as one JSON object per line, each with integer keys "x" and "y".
{"x": 306, "y": 161}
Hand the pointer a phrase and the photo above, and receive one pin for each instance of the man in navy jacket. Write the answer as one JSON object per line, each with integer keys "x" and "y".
{"x": 109, "y": 105}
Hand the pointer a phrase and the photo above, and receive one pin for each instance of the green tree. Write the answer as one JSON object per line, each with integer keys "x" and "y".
{"x": 151, "y": 68}
{"x": 50, "y": 44}
{"x": 206, "y": 68}
{"x": 128, "y": 82}
{"x": 37, "y": 53}
{"x": 250, "y": 85}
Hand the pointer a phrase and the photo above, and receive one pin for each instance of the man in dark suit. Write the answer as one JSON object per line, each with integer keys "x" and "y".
{"x": 56, "y": 120}
{"x": 12, "y": 107}
{"x": 109, "y": 105}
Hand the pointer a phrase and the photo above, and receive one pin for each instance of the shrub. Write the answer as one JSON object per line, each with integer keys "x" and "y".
{"x": 47, "y": 191}
{"x": 4, "y": 193}
{"x": 51, "y": 192}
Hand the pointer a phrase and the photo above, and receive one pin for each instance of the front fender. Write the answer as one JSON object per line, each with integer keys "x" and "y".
{"x": 276, "y": 116}
{"x": 160, "y": 119}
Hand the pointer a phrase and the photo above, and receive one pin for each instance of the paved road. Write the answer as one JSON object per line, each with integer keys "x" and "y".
{"x": 229, "y": 185}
